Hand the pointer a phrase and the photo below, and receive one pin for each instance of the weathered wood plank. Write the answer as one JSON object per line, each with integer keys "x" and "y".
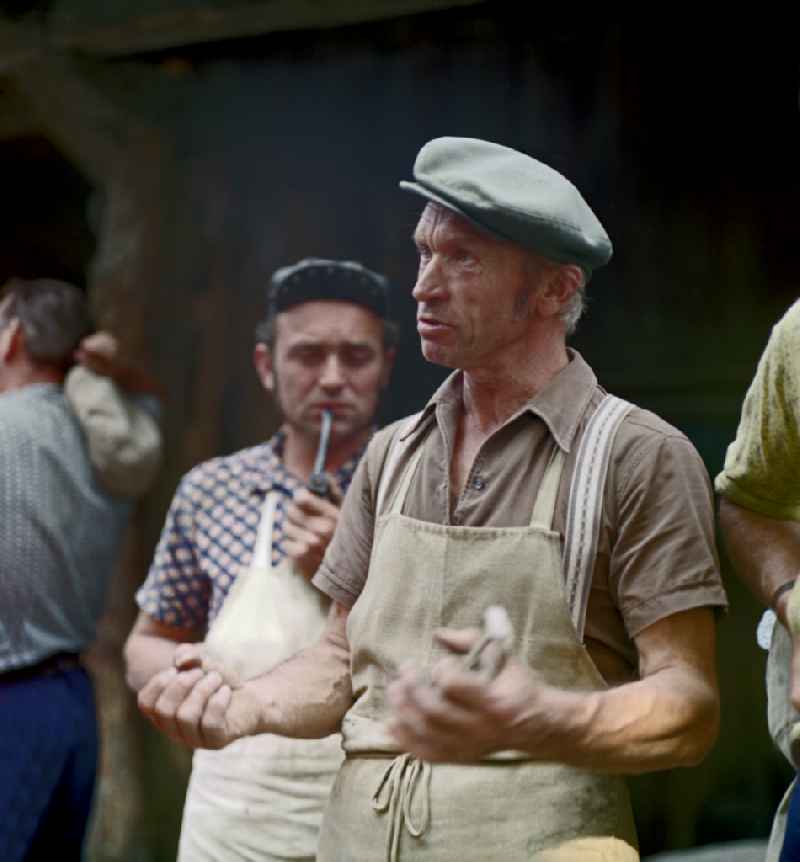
{"x": 123, "y": 28}
{"x": 16, "y": 117}
{"x": 85, "y": 126}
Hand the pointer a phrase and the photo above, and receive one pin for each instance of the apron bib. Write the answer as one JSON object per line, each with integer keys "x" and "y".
{"x": 782, "y": 718}
{"x": 386, "y": 804}
{"x": 261, "y": 798}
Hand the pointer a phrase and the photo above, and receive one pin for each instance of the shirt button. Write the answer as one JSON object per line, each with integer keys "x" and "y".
{"x": 478, "y": 484}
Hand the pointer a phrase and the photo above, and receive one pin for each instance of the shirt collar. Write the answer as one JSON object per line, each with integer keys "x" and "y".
{"x": 560, "y": 405}
{"x": 33, "y": 390}
{"x": 264, "y": 470}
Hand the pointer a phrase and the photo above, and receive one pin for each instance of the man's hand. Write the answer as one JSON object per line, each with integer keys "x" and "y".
{"x": 197, "y": 708}
{"x": 310, "y": 522}
{"x": 669, "y": 717}
{"x": 304, "y": 697}
{"x": 459, "y": 715}
{"x": 188, "y": 656}
{"x": 98, "y": 352}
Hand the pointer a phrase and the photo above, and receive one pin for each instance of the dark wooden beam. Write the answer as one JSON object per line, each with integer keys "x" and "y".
{"x": 127, "y": 27}
{"x": 20, "y": 42}
{"x": 91, "y": 131}
{"x": 16, "y": 118}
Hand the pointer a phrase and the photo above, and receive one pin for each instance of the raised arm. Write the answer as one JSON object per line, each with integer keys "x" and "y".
{"x": 117, "y": 407}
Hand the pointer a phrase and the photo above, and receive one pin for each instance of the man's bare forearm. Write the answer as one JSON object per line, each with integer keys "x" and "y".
{"x": 668, "y": 718}
{"x": 150, "y": 649}
{"x": 764, "y": 551}
{"x": 145, "y": 656}
{"x": 671, "y": 719}
{"x": 305, "y": 696}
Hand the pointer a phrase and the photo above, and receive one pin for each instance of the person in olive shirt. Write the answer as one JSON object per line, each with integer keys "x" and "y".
{"x": 522, "y": 483}
{"x": 760, "y": 521}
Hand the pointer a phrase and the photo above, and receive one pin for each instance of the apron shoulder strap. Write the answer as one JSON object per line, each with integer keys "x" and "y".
{"x": 585, "y": 506}
{"x": 392, "y": 472}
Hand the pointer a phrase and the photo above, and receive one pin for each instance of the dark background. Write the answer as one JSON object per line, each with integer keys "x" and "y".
{"x": 171, "y": 182}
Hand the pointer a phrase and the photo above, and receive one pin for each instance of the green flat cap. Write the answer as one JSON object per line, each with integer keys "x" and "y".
{"x": 512, "y": 196}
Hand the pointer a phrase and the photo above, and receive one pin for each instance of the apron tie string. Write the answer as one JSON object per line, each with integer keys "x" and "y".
{"x": 396, "y": 793}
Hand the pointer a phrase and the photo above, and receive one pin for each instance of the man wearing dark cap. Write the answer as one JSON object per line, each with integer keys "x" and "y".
{"x": 241, "y": 541}
{"x": 521, "y": 484}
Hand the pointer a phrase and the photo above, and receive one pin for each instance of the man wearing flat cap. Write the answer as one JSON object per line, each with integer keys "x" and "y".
{"x": 521, "y": 484}
{"x": 231, "y": 575}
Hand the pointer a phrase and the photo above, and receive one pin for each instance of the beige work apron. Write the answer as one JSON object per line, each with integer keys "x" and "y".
{"x": 262, "y": 797}
{"x": 782, "y": 718}
{"x": 387, "y": 805}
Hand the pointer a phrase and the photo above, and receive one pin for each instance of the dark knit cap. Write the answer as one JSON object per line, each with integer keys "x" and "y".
{"x": 315, "y": 279}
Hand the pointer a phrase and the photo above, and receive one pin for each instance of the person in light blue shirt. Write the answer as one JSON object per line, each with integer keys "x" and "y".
{"x": 61, "y": 528}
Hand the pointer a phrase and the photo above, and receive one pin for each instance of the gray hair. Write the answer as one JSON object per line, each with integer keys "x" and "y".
{"x": 53, "y": 316}
{"x": 572, "y": 312}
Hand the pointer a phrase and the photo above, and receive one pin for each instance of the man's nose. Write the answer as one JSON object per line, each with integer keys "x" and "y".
{"x": 332, "y": 375}
{"x": 430, "y": 283}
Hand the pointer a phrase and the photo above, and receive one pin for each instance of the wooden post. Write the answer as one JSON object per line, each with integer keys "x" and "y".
{"x": 125, "y": 161}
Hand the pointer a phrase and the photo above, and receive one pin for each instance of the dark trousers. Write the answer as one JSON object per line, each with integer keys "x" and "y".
{"x": 791, "y": 842}
{"x": 48, "y": 764}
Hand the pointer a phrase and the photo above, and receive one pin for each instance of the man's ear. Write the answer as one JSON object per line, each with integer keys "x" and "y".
{"x": 11, "y": 341}
{"x": 562, "y": 284}
{"x": 388, "y": 364}
{"x": 262, "y": 360}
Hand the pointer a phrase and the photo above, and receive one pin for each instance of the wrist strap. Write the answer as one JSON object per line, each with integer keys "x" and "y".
{"x": 783, "y": 588}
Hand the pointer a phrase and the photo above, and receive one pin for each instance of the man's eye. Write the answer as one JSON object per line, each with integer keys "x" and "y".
{"x": 357, "y": 356}
{"x": 309, "y": 355}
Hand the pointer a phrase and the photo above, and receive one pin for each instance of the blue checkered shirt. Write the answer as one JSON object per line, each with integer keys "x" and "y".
{"x": 211, "y": 529}
{"x": 60, "y": 533}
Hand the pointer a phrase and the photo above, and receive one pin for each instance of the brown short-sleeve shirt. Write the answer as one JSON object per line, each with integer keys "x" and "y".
{"x": 656, "y": 553}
